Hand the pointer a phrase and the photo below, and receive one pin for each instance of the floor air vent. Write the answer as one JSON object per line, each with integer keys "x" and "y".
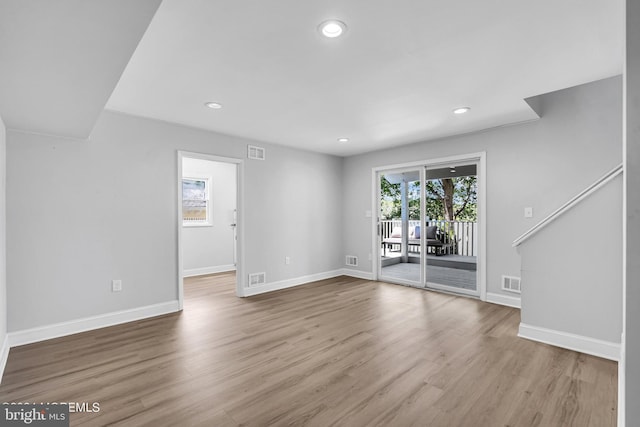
{"x": 351, "y": 260}
{"x": 255, "y": 153}
{"x": 257, "y": 279}
{"x": 511, "y": 284}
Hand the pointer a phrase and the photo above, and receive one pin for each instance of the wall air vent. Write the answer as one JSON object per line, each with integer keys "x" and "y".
{"x": 351, "y": 260}
{"x": 255, "y": 153}
{"x": 511, "y": 284}
{"x": 257, "y": 279}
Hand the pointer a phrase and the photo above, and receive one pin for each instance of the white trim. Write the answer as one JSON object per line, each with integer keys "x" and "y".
{"x": 180, "y": 225}
{"x": 432, "y": 162}
{"x": 357, "y": 274}
{"x": 605, "y": 349}
{"x": 568, "y": 205}
{"x": 423, "y": 225}
{"x": 375, "y": 224}
{"x": 507, "y": 300}
{"x": 290, "y": 283}
{"x": 208, "y": 270}
{"x": 481, "y": 265}
{"x": 622, "y": 364}
{"x": 71, "y": 327}
{"x": 240, "y": 257}
{"x": 4, "y": 355}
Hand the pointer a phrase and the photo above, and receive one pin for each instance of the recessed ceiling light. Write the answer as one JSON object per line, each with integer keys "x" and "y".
{"x": 461, "y": 110}
{"x": 343, "y": 139}
{"x": 214, "y": 105}
{"x": 332, "y": 28}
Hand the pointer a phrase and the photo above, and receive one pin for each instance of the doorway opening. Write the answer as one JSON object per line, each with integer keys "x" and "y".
{"x": 430, "y": 224}
{"x": 209, "y": 217}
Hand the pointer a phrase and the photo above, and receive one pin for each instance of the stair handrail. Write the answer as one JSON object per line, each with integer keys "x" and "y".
{"x": 571, "y": 203}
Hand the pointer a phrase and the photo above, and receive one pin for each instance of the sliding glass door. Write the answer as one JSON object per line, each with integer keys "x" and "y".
{"x": 427, "y": 233}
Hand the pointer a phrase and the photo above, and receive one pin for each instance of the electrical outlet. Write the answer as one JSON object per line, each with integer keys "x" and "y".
{"x": 116, "y": 285}
{"x": 287, "y": 260}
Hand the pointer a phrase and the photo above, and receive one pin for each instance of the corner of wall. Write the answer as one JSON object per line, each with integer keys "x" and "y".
{"x": 582, "y": 344}
{"x": 4, "y": 350}
{"x": 4, "y": 355}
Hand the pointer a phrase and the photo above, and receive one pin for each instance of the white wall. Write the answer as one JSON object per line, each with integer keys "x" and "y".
{"x": 572, "y": 271}
{"x": 294, "y": 200}
{"x": 3, "y": 253}
{"x": 209, "y": 249}
{"x": 82, "y": 213}
{"x": 540, "y": 164}
{"x": 630, "y": 368}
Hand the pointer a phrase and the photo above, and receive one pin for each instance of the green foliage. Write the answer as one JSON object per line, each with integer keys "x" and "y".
{"x": 390, "y": 200}
{"x": 464, "y": 198}
{"x": 463, "y": 195}
{"x": 391, "y": 204}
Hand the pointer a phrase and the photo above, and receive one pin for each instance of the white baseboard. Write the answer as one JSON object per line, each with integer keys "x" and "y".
{"x": 290, "y": 283}
{"x": 357, "y": 274}
{"x": 208, "y": 270}
{"x": 4, "y": 355}
{"x": 56, "y": 330}
{"x": 605, "y": 349}
{"x": 507, "y": 300}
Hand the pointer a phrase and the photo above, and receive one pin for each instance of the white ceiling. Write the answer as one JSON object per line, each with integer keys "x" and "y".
{"x": 393, "y": 79}
{"x": 60, "y": 60}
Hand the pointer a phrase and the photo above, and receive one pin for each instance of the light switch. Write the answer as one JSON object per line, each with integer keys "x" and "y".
{"x": 528, "y": 212}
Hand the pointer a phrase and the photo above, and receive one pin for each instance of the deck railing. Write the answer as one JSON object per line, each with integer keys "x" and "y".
{"x": 461, "y": 237}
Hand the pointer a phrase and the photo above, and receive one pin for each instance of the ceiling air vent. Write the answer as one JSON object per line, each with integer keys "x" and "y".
{"x": 511, "y": 284}
{"x": 255, "y": 153}
{"x": 351, "y": 260}
{"x": 257, "y": 279}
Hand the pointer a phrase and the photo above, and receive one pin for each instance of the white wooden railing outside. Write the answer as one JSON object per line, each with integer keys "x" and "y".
{"x": 462, "y": 236}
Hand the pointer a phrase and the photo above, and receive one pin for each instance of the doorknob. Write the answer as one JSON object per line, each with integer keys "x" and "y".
{"x": 232, "y": 225}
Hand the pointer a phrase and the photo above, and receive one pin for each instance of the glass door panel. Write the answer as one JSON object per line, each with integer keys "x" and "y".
{"x": 400, "y": 226}
{"x": 451, "y": 228}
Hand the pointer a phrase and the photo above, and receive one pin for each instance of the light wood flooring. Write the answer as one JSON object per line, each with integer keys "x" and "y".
{"x": 344, "y": 352}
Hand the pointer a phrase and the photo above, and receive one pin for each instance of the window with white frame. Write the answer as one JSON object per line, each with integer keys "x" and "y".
{"x": 196, "y": 203}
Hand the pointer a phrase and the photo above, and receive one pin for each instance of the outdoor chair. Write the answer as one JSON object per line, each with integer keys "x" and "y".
{"x": 432, "y": 240}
